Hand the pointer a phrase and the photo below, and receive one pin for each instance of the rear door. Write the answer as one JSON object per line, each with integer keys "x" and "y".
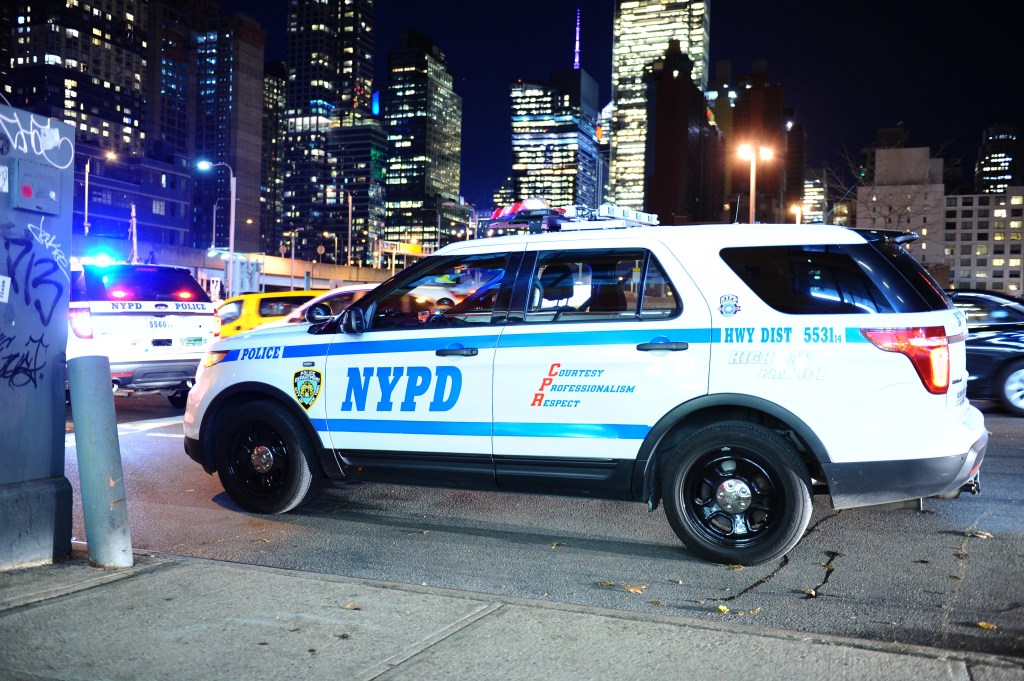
{"x": 610, "y": 340}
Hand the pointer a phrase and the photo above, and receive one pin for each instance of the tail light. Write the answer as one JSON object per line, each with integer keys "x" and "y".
{"x": 81, "y": 322}
{"x": 927, "y": 348}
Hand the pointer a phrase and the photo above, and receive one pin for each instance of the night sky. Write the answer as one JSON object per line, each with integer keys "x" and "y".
{"x": 846, "y": 72}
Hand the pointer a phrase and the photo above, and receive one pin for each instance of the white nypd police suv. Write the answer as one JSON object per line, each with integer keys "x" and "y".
{"x": 727, "y": 371}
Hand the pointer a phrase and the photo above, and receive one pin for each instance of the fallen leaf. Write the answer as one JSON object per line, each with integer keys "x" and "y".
{"x": 955, "y": 577}
{"x": 606, "y": 583}
{"x": 352, "y": 606}
{"x": 752, "y": 611}
{"x": 829, "y": 567}
{"x": 635, "y": 589}
{"x": 980, "y": 534}
{"x": 986, "y": 625}
{"x": 679, "y": 581}
{"x": 723, "y": 609}
{"x": 342, "y": 635}
{"x": 811, "y": 593}
{"x": 261, "y": 540}
{"x": 555, "y": 545}
{"x": 655, "y": 602}
{"x": 735, "y": 567}
{"x": 422, "y": 532}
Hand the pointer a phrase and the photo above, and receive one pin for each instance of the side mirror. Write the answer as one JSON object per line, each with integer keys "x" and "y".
{"x": 318, "y": 313}
{"x": 353, "y": 320}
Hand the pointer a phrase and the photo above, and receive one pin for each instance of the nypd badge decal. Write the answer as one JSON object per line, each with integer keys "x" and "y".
{"x": 307, "y": 385}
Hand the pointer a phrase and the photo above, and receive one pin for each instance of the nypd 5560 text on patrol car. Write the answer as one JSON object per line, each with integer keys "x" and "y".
{"x": 727, "y": 371}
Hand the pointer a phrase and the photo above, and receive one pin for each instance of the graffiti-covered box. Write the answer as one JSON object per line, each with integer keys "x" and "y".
{"x": 37, "y": 157}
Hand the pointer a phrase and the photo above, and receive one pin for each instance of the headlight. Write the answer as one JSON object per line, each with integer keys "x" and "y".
{"x": 211, "y": 358}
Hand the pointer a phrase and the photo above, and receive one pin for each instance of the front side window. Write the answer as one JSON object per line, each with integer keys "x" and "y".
{"x": 442, "y": 292}
{"x": 600, "y": 285}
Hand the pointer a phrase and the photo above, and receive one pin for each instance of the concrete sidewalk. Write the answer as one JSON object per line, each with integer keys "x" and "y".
{"x": 173, "y": 617}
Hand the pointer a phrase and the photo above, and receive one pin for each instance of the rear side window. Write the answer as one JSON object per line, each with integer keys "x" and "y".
{"x": 229, "y": 312}
{"x": 279, "y": 307}
{"x": 136, "y": 283}
{"x": 866, "y": 278}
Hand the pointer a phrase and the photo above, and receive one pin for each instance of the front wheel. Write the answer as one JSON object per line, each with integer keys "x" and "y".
{"x": 265, "y": 459}
{"x": 1011, "y": 388}
{"x": 737, "y": 492}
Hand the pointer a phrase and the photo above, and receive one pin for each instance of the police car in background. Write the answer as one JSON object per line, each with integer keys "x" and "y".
{"x": 152, "y": 322}
{"x": 726, "y": 371}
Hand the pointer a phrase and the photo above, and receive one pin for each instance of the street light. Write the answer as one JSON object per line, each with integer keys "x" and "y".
{"x": 746, "y": 153}
{"x": 795, "y": 210}
{"x": 207, "y": 165}
{"x": 88, "y": 163}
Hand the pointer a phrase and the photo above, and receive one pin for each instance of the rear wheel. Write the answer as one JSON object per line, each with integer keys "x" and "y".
{"x": 265, "y": 459}
{"x": 1011, "y": 388}
{"x": 178, "y": 399}
{"x": 737, "y": 492}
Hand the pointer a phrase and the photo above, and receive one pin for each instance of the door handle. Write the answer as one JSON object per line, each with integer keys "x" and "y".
{"x": 673, "y": 346}
{"x": 457, "y": 352}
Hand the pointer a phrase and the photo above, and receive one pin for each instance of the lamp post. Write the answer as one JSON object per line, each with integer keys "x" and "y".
{"x": 348, "y": 250}
{"x": 88, "y": 164}
{"x": 747, "y": 152}
{"x": 206, "y": 165}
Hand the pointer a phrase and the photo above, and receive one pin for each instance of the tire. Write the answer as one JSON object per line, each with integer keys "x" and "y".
{"x": 265, "y": 459}
{"x": 178, "y": 399}
{"x": 769, "y": 484}
{"x": 1011, "y": 388}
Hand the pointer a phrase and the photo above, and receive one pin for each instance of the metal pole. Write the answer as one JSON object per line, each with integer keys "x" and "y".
{"x": 99, "y": 462}
{"x": 213, "y": 235}
{"x": 293, "y": 261}
{"x": 348, "y": 253}
{"x": 231, "y": 234}
{"x": 134, "y": 229}
{"x": 753, "y": 183}
{"x": 85, "y": 222}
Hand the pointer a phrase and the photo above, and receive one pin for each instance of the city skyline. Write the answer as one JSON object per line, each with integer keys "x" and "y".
{"x": 944, "y": 77}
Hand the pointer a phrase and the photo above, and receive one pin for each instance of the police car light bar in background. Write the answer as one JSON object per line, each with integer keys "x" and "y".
{"x": 608, "y": 216}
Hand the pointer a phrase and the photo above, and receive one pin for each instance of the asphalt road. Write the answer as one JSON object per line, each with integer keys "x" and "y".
{"x": 947, "y": 576}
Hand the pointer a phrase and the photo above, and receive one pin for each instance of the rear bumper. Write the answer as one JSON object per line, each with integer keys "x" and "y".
{"x": 881, "y": 482}
{"x": 154, "y": 375}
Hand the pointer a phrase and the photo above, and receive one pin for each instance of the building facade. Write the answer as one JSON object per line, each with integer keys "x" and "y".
{"x": 983, "y": 236}
{"x": 683, "y": 155}
{"x": 641, "y": 33}
{"x": 330, "y": 47}
{"x": 423, "y": 118}
{"x": 554, "y": 139}
{"x": 1000, "y": 160}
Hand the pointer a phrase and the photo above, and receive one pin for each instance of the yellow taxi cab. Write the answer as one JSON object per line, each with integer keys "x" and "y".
{"x": 247, "y": 311}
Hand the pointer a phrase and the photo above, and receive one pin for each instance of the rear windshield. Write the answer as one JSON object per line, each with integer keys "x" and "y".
{"x": 876, "y": 277}
{"x": 135, "y": 283}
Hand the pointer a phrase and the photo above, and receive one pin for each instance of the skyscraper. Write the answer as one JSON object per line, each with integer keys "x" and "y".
{"x": 554, "y": 137}
{"x": 642, "y": 31}
{"x": 1000, "y": 160}
{"x": 230, "y": 130}
{"x": 330, "y": 85}
{"x": 423, "y": 116}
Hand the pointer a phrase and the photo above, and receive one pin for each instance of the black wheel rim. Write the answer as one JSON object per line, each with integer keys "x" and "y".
{"x": 264, "y": 475}
{"x": 733, "y": 498}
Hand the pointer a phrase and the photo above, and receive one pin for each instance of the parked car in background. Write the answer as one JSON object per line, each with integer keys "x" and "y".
{"x": 152, "y": 322}
{"x": 995, "y": 347}
{"x": 337, "y": 299}
{"x": 249, "y": 310}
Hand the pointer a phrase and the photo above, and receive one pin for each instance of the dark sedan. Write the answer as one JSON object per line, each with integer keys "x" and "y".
{"x": 995, "y": 347}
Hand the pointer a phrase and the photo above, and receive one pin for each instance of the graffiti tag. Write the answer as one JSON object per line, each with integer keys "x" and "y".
{"x": 32, "y": 278}
{"x": 37, "y": 136}
{"x": 22, "y": 367}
